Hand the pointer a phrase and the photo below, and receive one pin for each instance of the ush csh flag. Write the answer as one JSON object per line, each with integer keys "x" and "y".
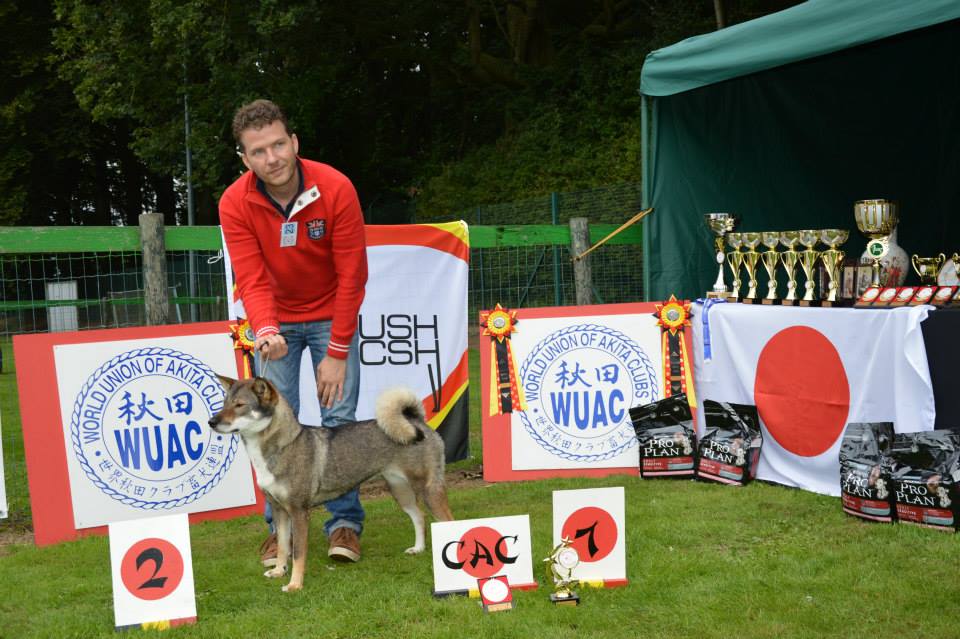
{"x": 412, "y": 326}
{"x": 810, "y": 372}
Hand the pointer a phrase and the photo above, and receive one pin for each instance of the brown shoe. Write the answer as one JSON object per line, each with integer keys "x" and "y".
{"x": 344, "y": 545}
{"x": 268, "y": 550}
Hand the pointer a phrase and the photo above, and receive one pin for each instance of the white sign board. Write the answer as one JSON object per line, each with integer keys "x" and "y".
{"x": 581, "y": 375}
{"x": 467, "y": 550}
{"x": 135, "y": 416}
{"x": 594, "y": 520}
{"x": 152, "y": 570}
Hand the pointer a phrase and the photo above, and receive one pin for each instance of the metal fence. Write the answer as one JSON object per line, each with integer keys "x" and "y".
{"x": 78, "y": 279}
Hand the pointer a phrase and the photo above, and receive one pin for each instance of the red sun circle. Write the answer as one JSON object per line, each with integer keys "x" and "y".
{"x": 481, "y": 550}
{"x": 801, "y": 391}
{"x": 593, "y": 531}
{"x": 151, "y": 569}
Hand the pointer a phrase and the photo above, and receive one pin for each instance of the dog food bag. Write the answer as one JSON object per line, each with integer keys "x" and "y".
{"x": 865, "y": 466}
{"x": 926, "y": 471}
{"x": 730, "y": 446}
{"x": 667, "y": 439}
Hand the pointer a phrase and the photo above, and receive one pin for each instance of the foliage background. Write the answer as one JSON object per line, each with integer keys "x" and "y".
{"x": 428, "y": 105}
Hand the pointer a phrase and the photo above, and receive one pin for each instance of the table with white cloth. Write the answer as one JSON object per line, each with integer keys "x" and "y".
{"x": 810, "y": 372}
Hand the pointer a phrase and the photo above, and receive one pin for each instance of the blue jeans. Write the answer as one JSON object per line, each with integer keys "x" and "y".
{"x": 345, "y": 510}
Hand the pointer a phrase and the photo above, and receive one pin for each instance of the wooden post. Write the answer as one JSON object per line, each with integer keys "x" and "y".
{"x": 156, "y": 297}
{"x": 582, "y": 277}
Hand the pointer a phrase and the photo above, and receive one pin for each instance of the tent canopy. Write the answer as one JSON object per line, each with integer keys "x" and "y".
{"x": 788, "y": 119}
{"x": 808, "y": 30}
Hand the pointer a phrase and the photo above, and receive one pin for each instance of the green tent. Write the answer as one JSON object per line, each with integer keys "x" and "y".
{"x": 787, "y": 120}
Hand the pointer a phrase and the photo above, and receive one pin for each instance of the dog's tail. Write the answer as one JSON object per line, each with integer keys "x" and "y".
{"x": 395, "y": 410}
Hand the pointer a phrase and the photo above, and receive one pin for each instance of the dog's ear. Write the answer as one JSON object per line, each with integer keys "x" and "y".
{"x": 264, "y": 390}
{"x": 226, "y": 382}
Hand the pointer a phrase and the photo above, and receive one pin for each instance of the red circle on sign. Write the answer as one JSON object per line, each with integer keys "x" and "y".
{"x": 482, "y": 551}
{"x": 801, "y": 391}
{"x": 151, "y": 569}
{"x": 593, "y": 531}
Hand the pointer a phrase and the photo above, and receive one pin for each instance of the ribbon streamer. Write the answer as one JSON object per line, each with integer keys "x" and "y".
{"x": 243, "y": 341}
{"x": 672, "y": 317}
{"x": 506, "y": 394}
{"x": 707, "y": 303}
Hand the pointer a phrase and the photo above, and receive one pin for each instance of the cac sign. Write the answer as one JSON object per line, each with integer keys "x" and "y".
{"x": 467, "y": 550}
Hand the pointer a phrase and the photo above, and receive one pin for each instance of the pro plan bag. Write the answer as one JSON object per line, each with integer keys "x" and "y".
{"x": 667, "y": 439}
{"x": 926, "y": 469}
{"x": 865, "y": 465}
{"x": 730, "y": 446}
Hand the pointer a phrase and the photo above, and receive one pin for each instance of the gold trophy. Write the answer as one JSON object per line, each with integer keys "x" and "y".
{"x": 750, "y": 258}
{"x": 735, "y": 260}
{"x": 560, "y": 564}
{"x": 789, "y": 258}
{"x": 808, "y": 259}
{"x": 928, "y": 268}
{"x": 771, "y": 239}
{"x": 876, "y": 219}
{"x": 833, "y": 261}
{"x": 720, "y": 224}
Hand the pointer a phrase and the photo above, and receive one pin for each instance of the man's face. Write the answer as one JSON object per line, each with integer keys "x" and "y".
{"x": 271, "y": 153}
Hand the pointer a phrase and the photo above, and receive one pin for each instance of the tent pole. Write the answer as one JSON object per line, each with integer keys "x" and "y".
{"x": 646, "y": 177}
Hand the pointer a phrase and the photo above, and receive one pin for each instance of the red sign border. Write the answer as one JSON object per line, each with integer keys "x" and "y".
{"x": 497, "y": 444}
{"x": 42, "y": 425}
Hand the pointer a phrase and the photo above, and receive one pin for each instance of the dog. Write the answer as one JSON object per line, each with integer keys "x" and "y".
{"x": 298, "y": 468}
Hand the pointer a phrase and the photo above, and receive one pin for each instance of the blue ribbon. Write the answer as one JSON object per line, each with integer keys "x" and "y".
{"x": 707, "y": 303}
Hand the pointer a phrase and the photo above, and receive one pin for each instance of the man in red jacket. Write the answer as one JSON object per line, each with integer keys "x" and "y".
{"x": 294, "y": 230}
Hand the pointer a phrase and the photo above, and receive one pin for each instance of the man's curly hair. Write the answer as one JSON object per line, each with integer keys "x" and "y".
{"x": 256, "y": 115}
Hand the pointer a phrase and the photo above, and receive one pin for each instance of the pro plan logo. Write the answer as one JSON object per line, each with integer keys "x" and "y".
{"x": 580, "y": 383}
{"x": 139, "y": 429}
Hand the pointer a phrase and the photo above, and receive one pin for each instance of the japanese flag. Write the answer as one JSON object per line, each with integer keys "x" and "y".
{"x": 810, "y": 372}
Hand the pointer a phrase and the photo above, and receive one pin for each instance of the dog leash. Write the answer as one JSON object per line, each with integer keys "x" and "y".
{"x": 263, "y": 364}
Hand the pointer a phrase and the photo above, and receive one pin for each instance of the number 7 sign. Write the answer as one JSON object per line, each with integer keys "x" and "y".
{"x": 593, "y": 520}
{"x": 152, "y": 572}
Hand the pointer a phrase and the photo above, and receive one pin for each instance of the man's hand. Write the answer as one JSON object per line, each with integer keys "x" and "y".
{"x": 330, "y": 375}
{"x": 271, "y": 346}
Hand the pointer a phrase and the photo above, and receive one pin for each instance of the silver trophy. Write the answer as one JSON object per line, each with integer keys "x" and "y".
{"x": 876, "y": 219}
{"x": 720, "y": 224}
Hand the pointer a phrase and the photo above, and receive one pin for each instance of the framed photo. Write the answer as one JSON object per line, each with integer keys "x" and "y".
{"x": 848, "y": 280}
{"x": 864, "y": 276}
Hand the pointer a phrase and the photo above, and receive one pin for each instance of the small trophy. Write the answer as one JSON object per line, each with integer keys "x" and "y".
{"x": 560, "y": 564}
{"x": 789, "y": 258}
{"x": 771, "y": 239}
{"x": 876, "y": 219}
{"x": 735, "y": 260}
{"x": 808, "y": 259}
{"x": 833, "y": 261}
{"x": 928, "y": 268}
{"x": 750, "y": 258}
{"x": 720, "y": 224}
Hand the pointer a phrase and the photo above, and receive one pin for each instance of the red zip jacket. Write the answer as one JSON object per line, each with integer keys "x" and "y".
{"x": 321, "y": 277}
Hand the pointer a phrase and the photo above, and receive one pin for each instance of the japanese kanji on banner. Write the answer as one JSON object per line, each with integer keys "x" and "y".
{"x": 557, "y": 385}
{"x": 115, "y": 427}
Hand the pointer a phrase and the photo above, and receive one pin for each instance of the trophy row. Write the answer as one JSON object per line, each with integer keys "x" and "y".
{"x": 798, "y": 248}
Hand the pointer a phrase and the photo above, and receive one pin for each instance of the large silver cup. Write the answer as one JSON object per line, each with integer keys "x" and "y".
{"x": 720, "y": 224}
{"x": 876, "y": 219}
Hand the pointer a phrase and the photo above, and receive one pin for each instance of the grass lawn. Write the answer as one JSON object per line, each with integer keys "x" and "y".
{"x": 703, "y": 561}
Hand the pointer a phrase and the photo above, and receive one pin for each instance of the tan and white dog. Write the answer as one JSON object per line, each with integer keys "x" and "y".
{"x": 299, "y": 468}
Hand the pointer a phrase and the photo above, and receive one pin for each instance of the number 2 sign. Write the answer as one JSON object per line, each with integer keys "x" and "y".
{"x": 152, "y": 572}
